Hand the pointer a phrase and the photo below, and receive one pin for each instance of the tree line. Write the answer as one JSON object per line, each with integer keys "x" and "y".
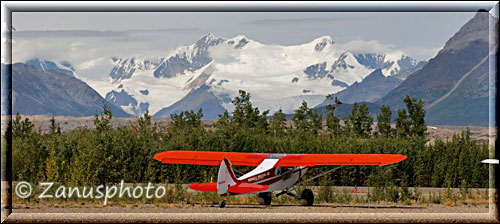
{"x": 106, "y": 154}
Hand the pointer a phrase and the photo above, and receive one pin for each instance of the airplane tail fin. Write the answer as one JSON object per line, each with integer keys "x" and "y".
{"x": 227, "y": 183}
{"x": 226, "y": 177}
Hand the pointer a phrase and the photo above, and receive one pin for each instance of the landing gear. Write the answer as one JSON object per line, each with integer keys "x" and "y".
{"x": 307, "y": 198}
{"x": 264, "y": 198}
{"x": 222, "y": 204}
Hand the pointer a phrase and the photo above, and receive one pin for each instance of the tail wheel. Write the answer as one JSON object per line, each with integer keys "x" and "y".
{"x": 307, "y": 198}
{"x": 222, "y": 204}
{"x": 265, "y": 198}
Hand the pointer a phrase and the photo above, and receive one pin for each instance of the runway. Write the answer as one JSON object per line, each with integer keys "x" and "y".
{"x": 258, "y": 213}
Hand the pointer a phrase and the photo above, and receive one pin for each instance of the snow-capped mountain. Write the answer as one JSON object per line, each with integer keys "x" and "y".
{"x": 124, "y": 67}
{"x": 191, "y": 58}
{"x": 126, "y": 102}
{"x": 390, "y": 64}
{"x": 275, "y": 76}
{"x": 63, "y": 67}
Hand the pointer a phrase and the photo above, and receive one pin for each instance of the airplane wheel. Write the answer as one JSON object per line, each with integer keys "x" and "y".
{"x": 222, "y": 204}
{"x": 264, "y": 198}
{"x": 307, "y": 198}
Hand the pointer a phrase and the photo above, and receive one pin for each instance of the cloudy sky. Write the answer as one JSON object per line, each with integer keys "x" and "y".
{"x": 87, "y": 38}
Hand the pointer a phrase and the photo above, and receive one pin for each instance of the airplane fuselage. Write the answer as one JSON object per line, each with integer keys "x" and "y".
{"x": 277, "y": 178}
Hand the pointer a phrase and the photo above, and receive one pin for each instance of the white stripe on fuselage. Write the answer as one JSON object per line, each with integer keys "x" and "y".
{"x": 266, "y": 165}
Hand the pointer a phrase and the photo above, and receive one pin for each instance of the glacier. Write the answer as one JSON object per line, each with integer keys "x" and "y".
{"x": 276, "y": 76}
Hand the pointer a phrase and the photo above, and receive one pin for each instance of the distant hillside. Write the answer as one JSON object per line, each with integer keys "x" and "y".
{"x": 372, "y": 88}
{"x": 194, "y": 100}
{"x": 6, "y": 91}
{"x": 453, "y": 85}
{"x": 48, "y": 92}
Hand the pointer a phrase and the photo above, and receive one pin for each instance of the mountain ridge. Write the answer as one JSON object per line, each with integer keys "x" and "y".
{"x": 269, "y": 72}
{"x": 47, "y": 92}
{"x": 455, "y": 79}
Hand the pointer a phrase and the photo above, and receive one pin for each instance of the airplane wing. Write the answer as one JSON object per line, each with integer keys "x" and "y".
{"x": 211, "y": 158}
{"x": 310, "y": 160}
{"x": 290, "y": 160}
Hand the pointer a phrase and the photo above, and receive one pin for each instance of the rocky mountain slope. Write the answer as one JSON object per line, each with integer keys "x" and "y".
{"x": 372, "y": 88}
{"x": 47, "y": 91}
{"x": 454, "y": 85}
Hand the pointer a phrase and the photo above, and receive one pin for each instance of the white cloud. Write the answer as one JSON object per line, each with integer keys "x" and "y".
{"x": 223, "y": 54}
{"x": 422, "y": 53}
{"x": 90, "y": 64}
{"x": 370, "y": 46}
{"x": 90, "y": 54}
{"x": 366, "y": 46}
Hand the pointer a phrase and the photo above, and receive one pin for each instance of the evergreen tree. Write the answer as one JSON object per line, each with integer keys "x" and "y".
{"x": 366, "y": 120}
{"x": 278, "y": 123}
{"x": 416, "y": 115}
{"x": 223, "y": 130}
{"x": 411, "y": 122}
{"x": 55, "y": 128}
{"x": 316, "y": 121}
{"x": 333, "y": 120}
{"x": 306, "y": 120}
{"x": 402, "y": 124}
{"x": 107, "y": 154}
{"x": 360, "y": 120}
{"x": 299, "y": 118}
{"x": 246, "y": 116}
{"x": 187, "y": 120}
{"x": 384, "y": 121}
{"x": 22, "y": 128}
{"x": 102, "y": 122}
{"x": 144, "y": 122}
{"x": 224, "y": 121}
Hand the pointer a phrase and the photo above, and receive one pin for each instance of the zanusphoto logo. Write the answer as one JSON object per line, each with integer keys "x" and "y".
{"x": 24, "y": 190}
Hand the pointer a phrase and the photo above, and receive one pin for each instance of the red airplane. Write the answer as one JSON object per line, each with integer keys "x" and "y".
{"x": 273, "y": 172}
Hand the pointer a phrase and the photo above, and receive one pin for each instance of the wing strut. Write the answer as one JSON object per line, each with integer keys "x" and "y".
{"x": 312, "y": 178}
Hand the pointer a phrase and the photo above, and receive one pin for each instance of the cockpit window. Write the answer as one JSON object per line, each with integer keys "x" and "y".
{"x": 282, "y": 170}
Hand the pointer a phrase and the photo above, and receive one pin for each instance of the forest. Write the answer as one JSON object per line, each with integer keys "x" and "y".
{"x": 106, "y": 154}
